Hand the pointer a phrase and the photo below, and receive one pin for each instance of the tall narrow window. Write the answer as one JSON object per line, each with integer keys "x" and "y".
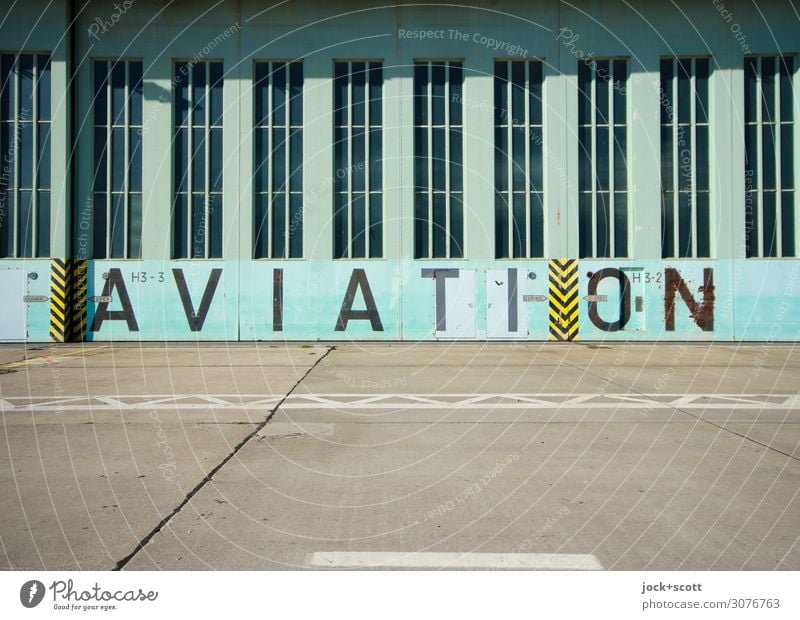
{"x": 278, "y": 221}
{"x": 197, "y": 216}
{"x": 685, "y": 226}
{"x": 24, "y": 155}
{"x": 358, "y": 160}
{"x": 518, "y": 169}
{"x": 769, "y": 156}
{"x": 603, "y": 165}
{"x": 438, "y": 160}
{"x": 117, "y": 183}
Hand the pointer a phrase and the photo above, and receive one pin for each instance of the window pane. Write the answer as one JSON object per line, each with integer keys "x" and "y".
{"x": 701, "y": 82}
{"x": 585, "y": 224}
{"x": 279, "y": 226}
{"x": 198, "y": 226}
{"x": 537, "y": 225}
{"x": 501, "y": 156}
{"x": 296, "y": 93}
{"x": 584, "y": 93}
{"x": 135, "y": 226}
{"x": 439, "y": 225}
{"x": 585, "y": 158}
{"x": 439, "y": 159}
{"x": 118, "y": 93}
{"x": 620, "y": 92}
{"x": 295, "y": 226}
{"x": 43, "y": 224}
{"x": 770, "y": 244}
{"x": 198, "y": 160}
{"x": 340, "y": 225}
{"x": 216, "y": 167}
{"x": 602, "y": 75}
{"x": 684, "y": 91}
{"x": 768, "y": 151}
{"x": 620, "y": 225}
{"x": 751, "y": 224}
{"x": 703, "y": 226}
{"x": 787, "y": 224}
{"x": 750, "y": 73}
{"x": 135, "y": 167}
{"x": 518, "y": 171}
{"x": 25, "y": 69}
{"x": 43, "y": 162}
{"x": 620, "y": 159}
{"x": 519, "y": 239}
{"x": 181, "y": 81}
{"x": 602, "y": 163}
{"x": 261, "y": 227}
{"x": 456, "y": 226}
{"x": 262, "y": 93}
{"x": 135, "y": 92}
{"x": 667, "y": 101}
{"x": 375, "y": 225}
{"x": 215, "y": 231}
{"x": 536, "y": 164}
{"x": 787, "y": 99}
{"x": 180, "y": 226}
{"x": 701, "y": 150}
{"x": 667, "y": 224}
{"x": 768, "y": 89}
{"x": 420, "y": 93}
{"x": 603, "y": 224}
{"x": 456, "y": 170}
{"x": 216, "y": 81}
{"x": 7, "y": 88}
{"x": 278, "y": 160}
{"x": 535, "y": 81}
{"x": 358, "y": 108}
{"x": 501, "y": 208}
{"x": 456, "y": 101}
{"x": 359, "y": 230}
{"x": 787, "y": 156}
{"x": 375, "y": 94}
{"x": 359, "y": 155}
{"x": 99, "y": 224}
{"x": 500, "y": 93}
{"x": 375, "y": 159}
{"x": 199, "y": 94}
{"x": 684, "y": 224}
{"x": 278, "y": 93}
{"x": 518, "y": 94}
{"x": 437, "y": 92}
{"x": 117, "y": 226}
{"x": 296, "y": 160}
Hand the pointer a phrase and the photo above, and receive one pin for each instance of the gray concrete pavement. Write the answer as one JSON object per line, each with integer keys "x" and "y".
{"x": 639, "y": 456}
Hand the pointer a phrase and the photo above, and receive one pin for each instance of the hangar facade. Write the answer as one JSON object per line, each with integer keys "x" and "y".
{"x": 514, "y": 170}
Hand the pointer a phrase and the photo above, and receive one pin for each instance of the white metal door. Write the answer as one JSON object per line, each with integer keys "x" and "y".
{"x": 506, "y": 316}
{"x": 456, "y": 317}
{"x": 13, "y": 311}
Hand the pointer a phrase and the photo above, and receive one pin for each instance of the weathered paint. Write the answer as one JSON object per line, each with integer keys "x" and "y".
{"x": 364, "y": 300}
{"x": 305, "y": 299}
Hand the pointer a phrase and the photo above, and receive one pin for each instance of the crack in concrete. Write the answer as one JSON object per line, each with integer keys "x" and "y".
{"x": 210, "y": 475}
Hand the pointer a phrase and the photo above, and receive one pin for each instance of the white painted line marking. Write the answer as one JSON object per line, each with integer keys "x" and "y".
{"x": 710, "y": 401}
{"x": 478, "y": 561}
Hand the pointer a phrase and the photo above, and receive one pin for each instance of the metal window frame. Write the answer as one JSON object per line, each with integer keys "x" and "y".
{"x": 269, "y": 191}
{"x": 777, "y": 123}
{"x": 508, "y": 126}
{"x": 447, "y": 126}
{"x": 15, "y": 123}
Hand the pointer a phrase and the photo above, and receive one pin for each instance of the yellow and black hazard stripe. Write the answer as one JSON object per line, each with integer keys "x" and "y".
{"x": 78, "y": 301}
{"x": 563, "y": 299}
{"x": 59, "y": 299}
{"x": 68, "y": 299}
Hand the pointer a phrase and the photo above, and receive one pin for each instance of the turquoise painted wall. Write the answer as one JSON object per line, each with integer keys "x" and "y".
{"x": 755, "y": 299}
